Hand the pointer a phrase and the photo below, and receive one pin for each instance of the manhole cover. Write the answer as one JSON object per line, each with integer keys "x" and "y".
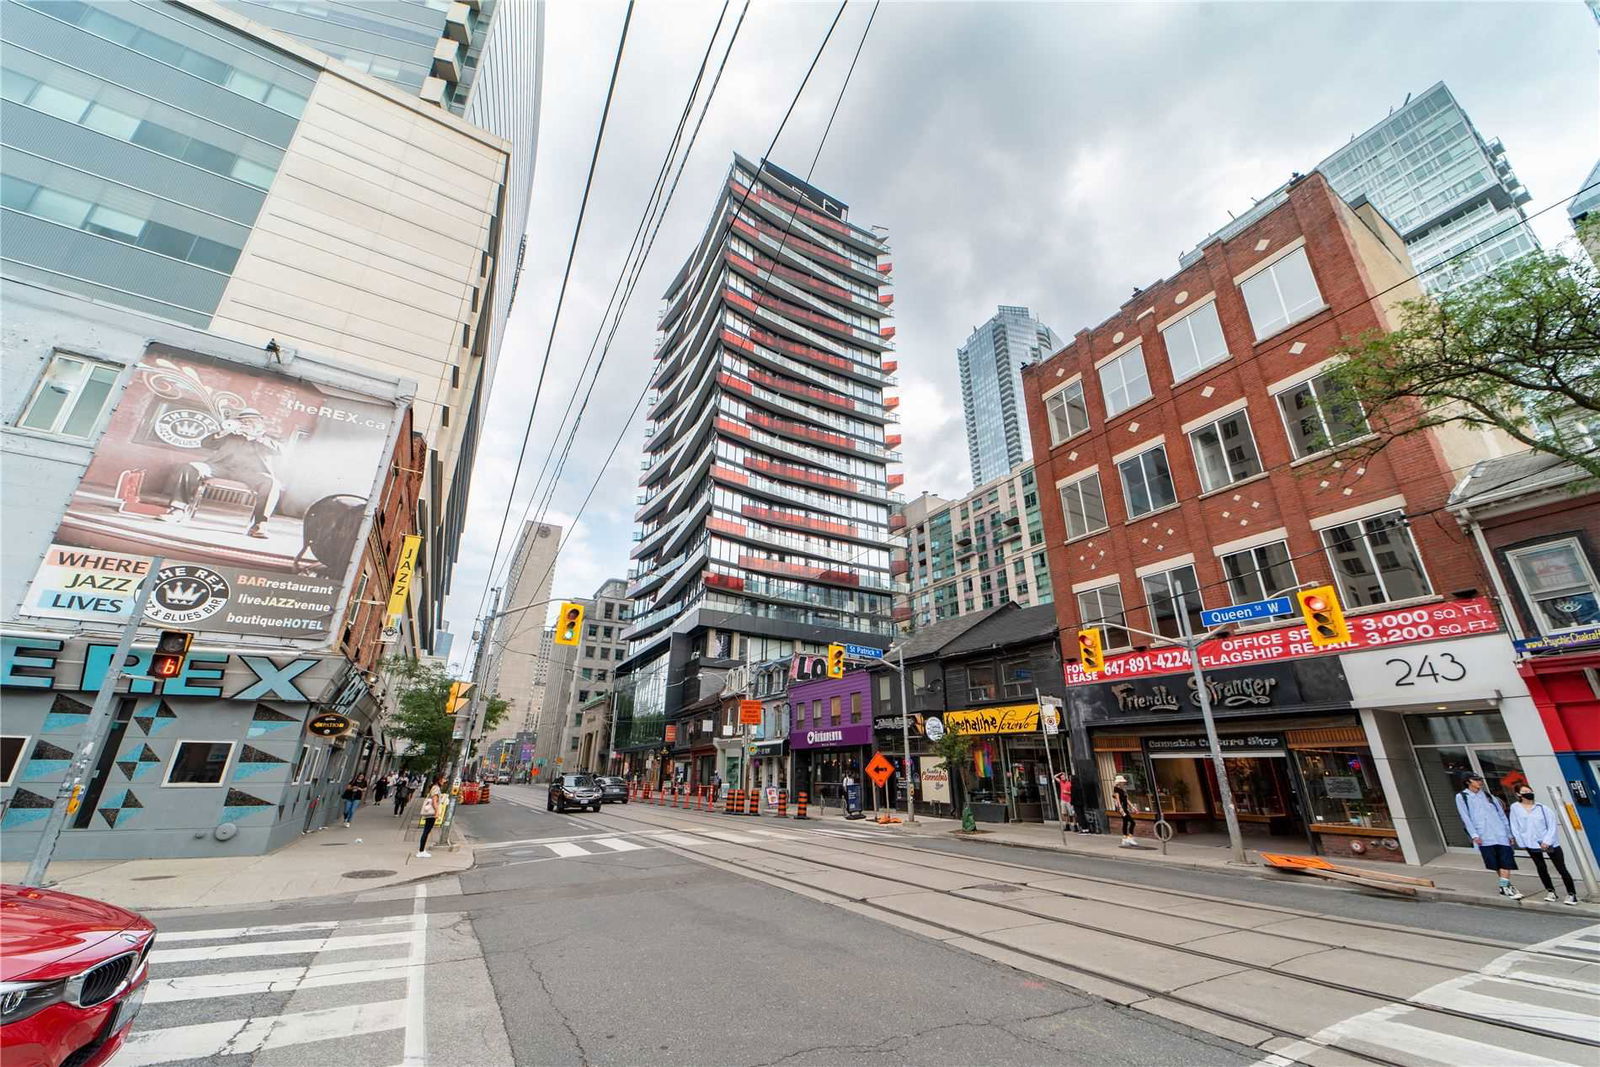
{"x": 367, "y": 874}
{"x": 1000, "y": 887}
{"x": 153, "y": 877}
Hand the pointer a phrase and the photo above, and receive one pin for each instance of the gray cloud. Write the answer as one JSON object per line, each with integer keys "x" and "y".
{"x": 1053, "y": 155}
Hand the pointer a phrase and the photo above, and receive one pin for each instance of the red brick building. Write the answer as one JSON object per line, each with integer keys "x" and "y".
{"x": 1200, "y": 460}
{"x": 361, "y": 641}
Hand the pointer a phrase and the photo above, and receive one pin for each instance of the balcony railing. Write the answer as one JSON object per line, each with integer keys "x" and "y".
{"x": 897, "y": 522}
{"x": 789, "y": 472}
{"x": 795, "y": 520}
{"x": 800, "y": 570}
{"x": 810, "y": 392}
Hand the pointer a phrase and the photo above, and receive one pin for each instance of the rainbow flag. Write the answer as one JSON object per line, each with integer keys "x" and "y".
{"x": 981, "y": 762}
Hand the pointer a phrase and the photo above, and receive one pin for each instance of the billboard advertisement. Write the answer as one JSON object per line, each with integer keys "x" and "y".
{"x": 251, "y": 485}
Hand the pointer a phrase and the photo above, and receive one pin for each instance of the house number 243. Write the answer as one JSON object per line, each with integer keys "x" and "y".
{"x": 1448, "y": 669}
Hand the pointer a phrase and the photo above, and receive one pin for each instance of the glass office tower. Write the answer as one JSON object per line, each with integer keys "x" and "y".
{"x": 991, "y": 389}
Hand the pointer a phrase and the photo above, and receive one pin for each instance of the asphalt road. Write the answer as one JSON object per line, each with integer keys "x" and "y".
{"x": 644, "y": 936}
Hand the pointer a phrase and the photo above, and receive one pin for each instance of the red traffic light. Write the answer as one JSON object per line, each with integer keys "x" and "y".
{"x": 166, "y": 665}
{"x": 1315, "y": 603}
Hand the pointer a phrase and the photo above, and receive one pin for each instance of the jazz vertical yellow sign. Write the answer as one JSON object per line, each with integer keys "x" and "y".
{"x": 400, "y": 592}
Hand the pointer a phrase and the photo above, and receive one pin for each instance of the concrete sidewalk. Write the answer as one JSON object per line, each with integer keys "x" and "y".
{"x": 376, "y": 851}
{"x": 1458, "y": 879}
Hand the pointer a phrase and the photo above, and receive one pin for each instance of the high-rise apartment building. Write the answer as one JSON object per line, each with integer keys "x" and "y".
{"x": 765, "y": 500}
{"x": 1439, "y": 183}
{"x": 968, "y": 555}
{"x": 517, "y": 668}
{"x": 236, "y": 167}
{"x": 991, "y": 389}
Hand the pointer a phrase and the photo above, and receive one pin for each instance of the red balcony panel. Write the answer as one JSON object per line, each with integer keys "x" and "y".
{"x": 798, "y": 244}
{"x": 885, "y": 268}
{"x": 810, "y": 392}
{"x": 896, "y": 481}
{"x": 788, "y": 205}
{"x": 795, "y": 311}
{"x": 890, "y": 366}
{"x": 886, "y": 299}
{"x": 886, "y": 333}
{"x": 728, "y": 426}
{"x": 801, "y": 430}
{"x": 799, "y": 570}
{"x": 801, "y": 474}
{"x": 804, "y": 352}
{"x": 897, "y": 522}
{"x": 724, "y": 526}
{"x": 738, "y": 340}
{"x": 723, "y": 581}
{"x": 730, "y": 382}
{"x": 891, "y": 402}
{"x": 891, "y": 440}
{"x": 898, "y": 567}
{"x": 726, "y": 475}
{"x": 797, "y": 521}
{"x": 764, "y": 267}
{"x": 901, "y": 614}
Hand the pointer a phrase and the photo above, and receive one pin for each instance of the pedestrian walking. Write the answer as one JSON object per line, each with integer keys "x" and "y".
{"x": 430, "y": 815}
{"x": 402, "y": 795}
{"x": 1486, "y": 822}
{"x": 352, "y": 798}
{"x": 1119, "y": 796}
{"x": 1533, "y": 826}
{"x": 384, "y": 785}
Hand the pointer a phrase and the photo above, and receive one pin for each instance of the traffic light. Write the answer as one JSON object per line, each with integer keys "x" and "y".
{"x": 835, "y": 661}
{"x": 1323, "y": 615}
{"x": 172, "y": 647}
{"x": 569, "y": 624}
{"x": 1091, "y": 651}
{"x": 459, "y": 692}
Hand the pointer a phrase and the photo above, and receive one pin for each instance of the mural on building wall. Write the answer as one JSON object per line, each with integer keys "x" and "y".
{"x": 252, "y": 486}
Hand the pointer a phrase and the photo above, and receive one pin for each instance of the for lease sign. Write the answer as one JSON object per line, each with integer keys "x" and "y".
{"x": 1429, "y": 622}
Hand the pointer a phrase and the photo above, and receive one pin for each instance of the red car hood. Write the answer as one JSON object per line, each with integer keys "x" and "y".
{"x": 41, "y": 927}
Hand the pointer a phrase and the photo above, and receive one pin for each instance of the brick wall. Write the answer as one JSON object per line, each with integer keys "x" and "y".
{"x": 1565, "y": 516}
{"x": 362, "y": 639}
{"x": 1349, "y": 268}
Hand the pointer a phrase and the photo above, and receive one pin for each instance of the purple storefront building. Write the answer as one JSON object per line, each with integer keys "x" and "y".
{"x": 830, "y": 734}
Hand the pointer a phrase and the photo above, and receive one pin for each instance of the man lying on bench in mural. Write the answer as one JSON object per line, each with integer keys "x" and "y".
{"x": 243, "y": 452}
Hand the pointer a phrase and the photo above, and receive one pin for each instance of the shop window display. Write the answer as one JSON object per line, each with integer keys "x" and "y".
{"x": 1342, "y": 788}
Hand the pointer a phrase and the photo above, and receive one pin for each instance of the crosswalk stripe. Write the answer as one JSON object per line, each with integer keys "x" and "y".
{"x": 227, "y": 933}
{"x": 617, "y": 844}
{"x": 275, "y": 980}
{"x": 1541, "y": 1016}
{"x": 731, "y": 837}
{"x": 682, "y": 840}
{"x": 1438, "y": 1047}
{"x": 781, "y": 835}
{"x": 145, "y": 1048}
{"x": 567, "y": 849}
{"x": 278, "y": 948}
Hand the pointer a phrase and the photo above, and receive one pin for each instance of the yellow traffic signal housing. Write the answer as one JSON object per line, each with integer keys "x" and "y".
{"x": 1323, "y": 616}
{"x": 569, "y": 624}
{"x": 172, "y": 648}
{"x": 835, "y": 661}
{"x": 1091, "y": 651}
{"x": 460, "y": 693}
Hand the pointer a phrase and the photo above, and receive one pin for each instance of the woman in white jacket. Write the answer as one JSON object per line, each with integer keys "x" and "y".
{"x": 1533, "y": 826}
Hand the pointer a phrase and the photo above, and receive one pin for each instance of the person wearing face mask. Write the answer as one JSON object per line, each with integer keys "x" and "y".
{"x": 1533, "y": 826}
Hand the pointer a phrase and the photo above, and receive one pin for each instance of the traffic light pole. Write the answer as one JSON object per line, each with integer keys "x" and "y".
{"x": 94, "y": 734}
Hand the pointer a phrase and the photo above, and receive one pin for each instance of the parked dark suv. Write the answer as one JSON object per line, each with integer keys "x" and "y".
{"x": 613, "y": 790}
{"x": 573, "y": 791}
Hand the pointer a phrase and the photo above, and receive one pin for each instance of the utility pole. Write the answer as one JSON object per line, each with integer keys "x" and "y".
{"x": 94, "y": 733}
{"x": 905, "y": 738}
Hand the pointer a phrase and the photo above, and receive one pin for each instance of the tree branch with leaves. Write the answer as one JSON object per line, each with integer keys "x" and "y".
{"x": 421, "y": 692}
{"x": 1516, "y": 350}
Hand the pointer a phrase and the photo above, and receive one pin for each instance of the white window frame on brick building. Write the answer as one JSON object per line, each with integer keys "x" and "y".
{"x": 1119, "y": 387}
{"x": 1111, "y": 623}
{"x": 1061, "y": 405}
{"x": 1195, "y": 341}
{"x": 1066, "y": 512}
{"x": 1147, "y": 471}
{"x": 1580, "y": 581}
{"x": 1330, "y": 437}
{"x": 1370, "y": 545}
{"x": 1281, "y": 292}
{"x": 1219, "y": 471}
{"x": 1160, "y": 586}
{"x": 1257, "y": 573}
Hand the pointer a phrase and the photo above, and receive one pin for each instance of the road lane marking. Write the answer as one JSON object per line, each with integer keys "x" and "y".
{"x": 416, "y": 1016}
{"x": 234, "y": 932}
{"x": 275, "y": 980}
{"x": 566, "y": 849}
{"x": 234, "y": 1037}
{"x": 617, "y": 844}
{"x": 279, "y": 948}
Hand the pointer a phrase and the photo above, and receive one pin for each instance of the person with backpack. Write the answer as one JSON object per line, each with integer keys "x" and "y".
{"x": 402, "y": 794}
{"x": 1484, "y": 818}
{"x": 1533, "y": 826}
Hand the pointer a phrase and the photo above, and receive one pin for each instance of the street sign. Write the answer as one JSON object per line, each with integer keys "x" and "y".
{"x": 672, "y": 732}
{"x": 328, "y": 724}
{"x": 863, "y": 651}
{"x": 1050, "y": 714}
{"x": 933, "y": 728}
{"x": 879, "y": 769}
{"x": 1211, "y": 618}
{"x": 749, "y": 713}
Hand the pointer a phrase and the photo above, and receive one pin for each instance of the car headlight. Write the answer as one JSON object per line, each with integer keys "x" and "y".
{"x": 18, "y": 1000}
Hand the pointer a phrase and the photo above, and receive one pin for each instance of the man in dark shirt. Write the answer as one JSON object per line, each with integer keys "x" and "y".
{"x": 242, "y": 451}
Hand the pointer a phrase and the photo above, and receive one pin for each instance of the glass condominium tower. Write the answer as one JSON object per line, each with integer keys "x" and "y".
{"x": 765, "y": 497}
{"x": 991, "y": 389}
{"x": 1450, "y": 194}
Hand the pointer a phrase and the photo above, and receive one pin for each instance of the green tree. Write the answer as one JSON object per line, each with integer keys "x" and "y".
{"x": 421, "y": 692}
{"x": 956, "y": 751}
{"x": 1517, "y": 350}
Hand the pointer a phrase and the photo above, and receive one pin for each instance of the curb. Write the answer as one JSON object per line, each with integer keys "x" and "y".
{"x": 1441, "y": 896}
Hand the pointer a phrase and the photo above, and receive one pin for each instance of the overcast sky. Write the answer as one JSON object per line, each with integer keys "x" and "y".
{"x": 1053, "y": 155}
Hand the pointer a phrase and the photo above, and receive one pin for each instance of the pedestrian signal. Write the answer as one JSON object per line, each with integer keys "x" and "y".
{"x": 1323, "y": 615}
{"x": 172, "y": 648}
{"x": 1091, "y": 651}
{"x": 835, "y": 661}
{"x": 569, "y": 624}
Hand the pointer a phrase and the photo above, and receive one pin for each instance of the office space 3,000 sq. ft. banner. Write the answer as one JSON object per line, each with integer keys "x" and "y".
{"x": 251, "y": 484}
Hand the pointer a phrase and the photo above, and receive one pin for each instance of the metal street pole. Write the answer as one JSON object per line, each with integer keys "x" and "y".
{"x": 905, "y": 739}
{"x": 1224, "y": 791}
{"x": 94, "y": 733}
{"x": 1049, "y": 760}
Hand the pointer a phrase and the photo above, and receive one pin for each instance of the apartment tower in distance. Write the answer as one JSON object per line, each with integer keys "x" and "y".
{"x": 346, "y": 179}
{"x": 765, "y": 500}
{"x": 518, "y": 668}
{"x": 1448, "y": 192}
{"x": 991, "y": 389}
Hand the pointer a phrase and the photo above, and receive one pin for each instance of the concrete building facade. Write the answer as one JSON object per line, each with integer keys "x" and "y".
{"x": 518, "y": 663}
